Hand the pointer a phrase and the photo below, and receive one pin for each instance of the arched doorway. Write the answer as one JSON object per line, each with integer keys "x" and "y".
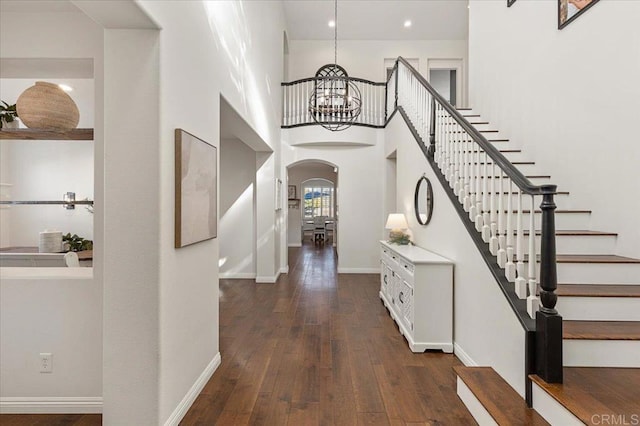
{"x": 313, "y": 192}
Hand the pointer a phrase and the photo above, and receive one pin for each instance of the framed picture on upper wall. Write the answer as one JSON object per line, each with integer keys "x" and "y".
{"x": 196, "y": 215}
{"x": 569, "y": 10}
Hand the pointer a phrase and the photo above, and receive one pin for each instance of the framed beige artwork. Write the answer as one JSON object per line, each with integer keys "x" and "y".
{"x": 196, "y": 189}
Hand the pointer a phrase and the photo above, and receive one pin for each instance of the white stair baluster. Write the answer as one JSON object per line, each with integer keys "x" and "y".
{"x": 502, "y": 252}
{"x": 486, "y": 219}
{"x": 473, "y": 176}
{"x": 521, "y": 282}
{"x": 533, "y": 302}
{"x": 455, "y": 176}
{"x": 493, "y": 242}
{"x": 510, "y": 267}
{"x": 479, "y": 179}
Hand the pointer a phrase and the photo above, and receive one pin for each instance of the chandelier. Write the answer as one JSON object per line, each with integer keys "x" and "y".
{"x": 335, "y": 101}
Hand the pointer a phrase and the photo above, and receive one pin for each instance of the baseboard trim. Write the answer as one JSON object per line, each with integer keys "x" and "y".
{"x": 237, "y": 276}
{"x": 358, "y": 270}
{"x": 284, "y": 269}
{"x": 193, "y": 393}
{"x": 295, "y": 245}
{"x": 267, "y": 280}
{"x": 463, "y": 356}
{"x": 50, "y": 405}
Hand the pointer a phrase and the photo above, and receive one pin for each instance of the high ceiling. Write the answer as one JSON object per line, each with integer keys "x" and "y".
{"x": 357, "y": 19}
{"x": 378, "y": 19}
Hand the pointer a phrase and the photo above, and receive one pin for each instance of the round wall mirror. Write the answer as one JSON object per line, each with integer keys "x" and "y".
{"x": 423, "y": 201}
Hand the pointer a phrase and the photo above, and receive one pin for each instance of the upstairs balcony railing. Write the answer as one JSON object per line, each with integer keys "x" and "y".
{"x": 494, "y": 199}
{"x": 297, "y": 111}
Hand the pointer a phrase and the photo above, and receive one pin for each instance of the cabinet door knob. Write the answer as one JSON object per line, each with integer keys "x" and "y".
{"x": 400, "y": 297}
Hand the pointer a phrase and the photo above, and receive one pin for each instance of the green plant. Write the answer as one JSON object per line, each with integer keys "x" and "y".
{"x": 8, "y": 113}
{"x": 77, "y": 243}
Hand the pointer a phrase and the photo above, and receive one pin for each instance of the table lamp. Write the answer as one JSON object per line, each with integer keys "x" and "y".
{"x": 397, "y": 223}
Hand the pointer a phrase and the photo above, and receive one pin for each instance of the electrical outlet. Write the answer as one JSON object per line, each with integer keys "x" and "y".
{"x": 46, "y": 362}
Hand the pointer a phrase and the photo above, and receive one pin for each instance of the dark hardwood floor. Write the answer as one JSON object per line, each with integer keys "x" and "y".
{"x": 319, "y": 348}
{"x": 316, "y": 348}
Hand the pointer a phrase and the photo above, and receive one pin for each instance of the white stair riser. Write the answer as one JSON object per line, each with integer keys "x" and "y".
{"x": 601, "y": 353}
{"x": 563, "y": 220}
{"x": 551, "y": 410}
{"x": 578, "y": 244}
{"x": 535, "y": 181}
{"x": 511, "y": 156}
{"x": 599, "y": 308}
{"x": 475, "y": 407}
{"x": 595, "y": 273}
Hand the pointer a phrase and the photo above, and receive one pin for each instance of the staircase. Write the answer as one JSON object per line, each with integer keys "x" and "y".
{"x": 599, "y": 300}
{"x": 577, "y": 301}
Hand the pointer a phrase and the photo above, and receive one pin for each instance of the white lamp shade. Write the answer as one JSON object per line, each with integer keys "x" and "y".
{"x": 396, "y": 221}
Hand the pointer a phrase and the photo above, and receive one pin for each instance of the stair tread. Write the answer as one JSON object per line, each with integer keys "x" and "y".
{"x": 591, "y": 258}
{"x": 513, "y": 162}
{"x": 594, "y": 258}
{"x": 557, "y": 211}
{"x": 598, "y": 290}
{"x": 601, "y": 330}
{"x": 502, "y": 402}
{"x": 574, "y": 232}
{"x": 589, "y": 391}
{"x": 527, "y": 176}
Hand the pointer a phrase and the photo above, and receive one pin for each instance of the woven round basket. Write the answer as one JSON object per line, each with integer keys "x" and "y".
{"x": 46, "y": 106}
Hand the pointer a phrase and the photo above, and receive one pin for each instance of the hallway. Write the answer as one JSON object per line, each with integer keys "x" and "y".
{"x": 320, "y": 348}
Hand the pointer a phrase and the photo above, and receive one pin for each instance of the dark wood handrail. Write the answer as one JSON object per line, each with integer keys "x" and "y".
{"x": 304, "y": 80}
{"x": 510, "y": 170}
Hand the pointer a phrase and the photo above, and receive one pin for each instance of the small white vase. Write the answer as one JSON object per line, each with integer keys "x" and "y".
{"x": 15, "y": 124}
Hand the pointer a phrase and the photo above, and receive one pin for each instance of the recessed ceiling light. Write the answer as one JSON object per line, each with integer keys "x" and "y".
{"x": 65, "y": 87}
{"x": 332, "y": 23}
{"x": 407, "y": 23}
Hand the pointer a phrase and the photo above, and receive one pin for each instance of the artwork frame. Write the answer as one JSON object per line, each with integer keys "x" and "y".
{"x": 570, "y": 10}
{"x": 196, "y": 189}
{"x": 292, "y": 192}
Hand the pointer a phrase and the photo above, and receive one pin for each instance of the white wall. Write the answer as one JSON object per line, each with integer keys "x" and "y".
{"x": 485, "y": 327}
{"x": 296, "y": 175}
{"x": 54, "y": 35}
{"x": 240, "y": 57}
{"x": 45, "y": 170}
{"x": 568, "y": 98}
{"x": 360, "y": 195}
{"x": 237, "y": 226}
{"x": 61, "y": 316}
{"x": 365, "y": 59}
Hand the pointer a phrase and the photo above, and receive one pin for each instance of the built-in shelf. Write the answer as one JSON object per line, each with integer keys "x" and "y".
{"x": 41, "y": 203}
{"x": 294, "y": 203}
{"x": 48, "y": 135}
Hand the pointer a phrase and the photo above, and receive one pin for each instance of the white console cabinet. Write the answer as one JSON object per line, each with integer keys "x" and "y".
{"x": 417, "y": 289}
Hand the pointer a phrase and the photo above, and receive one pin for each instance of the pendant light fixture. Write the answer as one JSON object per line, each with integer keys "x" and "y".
{"x": 335, "y": 101}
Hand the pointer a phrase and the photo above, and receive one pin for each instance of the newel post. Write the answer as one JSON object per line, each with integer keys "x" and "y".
{"x": 432, "y": 128}
{"x": 548, "y": 321}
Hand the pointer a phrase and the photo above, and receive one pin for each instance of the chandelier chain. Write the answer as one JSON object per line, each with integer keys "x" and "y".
{"x": 335, "y": 33}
